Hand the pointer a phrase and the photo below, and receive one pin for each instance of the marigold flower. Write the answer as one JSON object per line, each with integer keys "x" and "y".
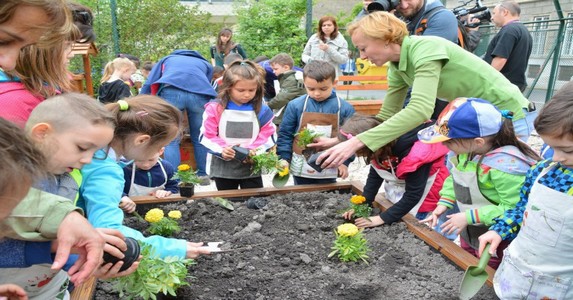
{"x": 284, "y": 172}
{"x": 154, "y": 215}
{"x": 183, "y": 167}
{"x": 357, "y": 199}
{"x": 347, "y": 229}
{"x": 174, "y": 214}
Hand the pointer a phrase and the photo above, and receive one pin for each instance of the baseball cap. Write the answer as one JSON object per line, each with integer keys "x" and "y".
{"x": 463, "y": 118}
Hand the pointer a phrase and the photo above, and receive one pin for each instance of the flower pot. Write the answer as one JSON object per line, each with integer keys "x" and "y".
{"x": 187, "y": 190}
{"x": 131, "y": 254}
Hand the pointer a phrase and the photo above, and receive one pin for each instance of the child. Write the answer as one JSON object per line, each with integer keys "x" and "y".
{"x": 349, "y": 67}
{"x": 147, "y": 177}
{"x": 217, "y": 77}
{"x": 290, "y": 87}
{"x": 412, "y": 172}
{"x": 487, "y": 173}
{"x": 113, "y": 83}
{"x": 238, "y": 117}
{"x": 537, "y": 263}
{"x": 144, "y": 125}
{"x": 320, "y": 111}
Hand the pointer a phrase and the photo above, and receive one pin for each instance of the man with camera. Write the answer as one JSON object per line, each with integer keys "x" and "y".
{"x": 509, "y": 50}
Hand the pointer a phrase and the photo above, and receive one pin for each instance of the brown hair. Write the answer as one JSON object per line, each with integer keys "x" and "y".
{"x": 243, "y": 70}
{"x": 359, "y": 123}
{"x": 320, "y": 33}
{"x": 380, "y": 25}
{"x": 229, "y": 45}
{"x": 282, "y": 59}
{"x": 146, "y": 114}
{"x": 319, "y": 70}
{"x": 555, "y": 118}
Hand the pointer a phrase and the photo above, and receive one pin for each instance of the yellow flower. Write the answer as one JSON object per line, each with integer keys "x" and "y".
{"x": 347, "y": 229}
{"x": 184, "y": 167}
{"x": 357, "y": 199}
{"x": 174, "y": 214}
{"x": 283, "y": 172}
{"x": 154, "y": 215}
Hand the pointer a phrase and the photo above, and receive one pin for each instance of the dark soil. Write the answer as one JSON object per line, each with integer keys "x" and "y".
{"x": 291, "y": 238}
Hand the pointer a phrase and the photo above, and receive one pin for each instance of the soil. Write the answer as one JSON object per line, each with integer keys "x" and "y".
{"x": 285, "y": 247}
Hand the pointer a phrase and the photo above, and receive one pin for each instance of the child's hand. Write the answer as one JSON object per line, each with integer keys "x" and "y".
{"x": 109, "y": 270}
{"x": 162, "y": 193}
{"x": 491, "y": 237}
{"x": 456, "y": 223}
{"x": 194, "y": 250}
{"x": 343, "y": 171}
{"x": 348, "y": 214}
{"x": 368, "y": 222}
{"x": 127, "y": 205}
{"x": 228, "y": 153}
{"x": 432, "y": 220}
{"x": 12, "y": 292}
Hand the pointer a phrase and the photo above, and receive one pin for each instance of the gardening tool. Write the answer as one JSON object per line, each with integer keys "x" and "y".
{"x": 224, "y": 203}
{"x": 216, "y": 247}
{"x": 475, "y": 276}
{"x": 280, "y": 181}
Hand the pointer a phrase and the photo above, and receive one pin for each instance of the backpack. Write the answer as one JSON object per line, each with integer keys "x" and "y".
{"x": 462, "y": 31}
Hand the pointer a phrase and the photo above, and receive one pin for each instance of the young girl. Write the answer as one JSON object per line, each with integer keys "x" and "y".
{"x": 412, "y": 173}
{"x": 536, "y": 265}
{"x": 113, "y": 83}
{"x": 238, "y": 117}
{"x": 144, "y": 125}
{"x": 487, "y": 173}
{"x": 224, "y": 47}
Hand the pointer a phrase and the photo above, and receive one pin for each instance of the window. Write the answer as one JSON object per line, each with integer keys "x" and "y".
{"x": 568, "y": 38}
{"x": 533, "y": 70}
{"x": 539, "y": 35}
{"x": 565, "y": 73}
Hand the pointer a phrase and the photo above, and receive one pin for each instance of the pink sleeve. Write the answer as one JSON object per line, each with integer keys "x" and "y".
{"x": 209, "y": 135}
{"x": 17, "y": 103}
{"x": 266, "y": 137}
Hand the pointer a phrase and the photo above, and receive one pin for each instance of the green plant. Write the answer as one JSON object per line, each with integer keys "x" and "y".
{"x": 159, "y": 225}
{"x": 265, "y": 162}
{"x": 154, "y": 275}
{"x": 360, "y": 208}
{"x": 349, "y": 245}
{"x": 305, "y": 137}
{"x": 186, "y": 175}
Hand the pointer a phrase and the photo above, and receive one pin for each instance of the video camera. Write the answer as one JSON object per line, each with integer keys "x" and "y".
{"x": 479, "y": 11}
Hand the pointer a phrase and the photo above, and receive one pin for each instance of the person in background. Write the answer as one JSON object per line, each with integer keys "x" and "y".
{"x": 217, "y": 77}
{"x": 349, "y": 67}
{"x": 535, "y": 264}
{"x": 321, "y": 111}
{"x": 224, "y": 46}
{"x": 136, "y": 79}
{"x": 169, "y": 80}
{"x": 291, "y": 87}
{"x": 487, "y": 172}
{"x": 114, "y": 84}
{"x": 146, "y": 69}
{"x": 148, "y": 177}
{"x": 327, "y": 44}
{"x": 239, "y": 117}
{"x": 364, "y": 10}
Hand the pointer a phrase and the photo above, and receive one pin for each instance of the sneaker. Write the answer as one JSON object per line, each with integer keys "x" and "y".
{"x": 257, "y": 203}
{"x": 204, "y": 180}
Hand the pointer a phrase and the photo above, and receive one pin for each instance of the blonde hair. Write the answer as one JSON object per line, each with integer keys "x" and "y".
{"x": 116, "y": 64}
{"x": 380, "y": 25}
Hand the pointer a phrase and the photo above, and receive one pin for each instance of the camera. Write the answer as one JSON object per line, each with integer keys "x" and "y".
{"x": 382, "y": 5}
{"x": 479, "y": 12}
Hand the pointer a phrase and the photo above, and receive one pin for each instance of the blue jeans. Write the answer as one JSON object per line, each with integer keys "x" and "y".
{"x": 442, "y": 220}
{"x": 194, "y": 104}
{"x": 524, "y": 127}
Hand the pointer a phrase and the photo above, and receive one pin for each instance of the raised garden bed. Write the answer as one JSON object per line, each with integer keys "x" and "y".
{"x": 289, "y": 242}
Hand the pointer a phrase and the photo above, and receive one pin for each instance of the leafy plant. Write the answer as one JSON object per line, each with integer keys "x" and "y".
{"x": 349, "y": 245}
{"x": 186, "y": 175}
{"x": 361, "y": 209}
{"x": 159, "y": 225}
{"x": 268, "y": 162}
{"x": 305, "y": 137}
{"x": 154, "y": 275}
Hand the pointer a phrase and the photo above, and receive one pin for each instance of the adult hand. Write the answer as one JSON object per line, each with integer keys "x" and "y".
{"x": 432, "y": 219}
{"x": 368, "y": 222}
{"x": 322, "y": 46}
{"x": 110, "y": 270}
{"x": 491, "y": 237}
{"x": 12, "y": 292}
{"x": 76, "y": 232}
{"x": 455, "y": 223}
{"x": 127, "y": 205}
{"x": 114, "y": 242}
{"x": 195, "y": 249}
{"x": 162, "y": 193}
{"x": 323, "y": 143}
{"x": 335, "y": 156}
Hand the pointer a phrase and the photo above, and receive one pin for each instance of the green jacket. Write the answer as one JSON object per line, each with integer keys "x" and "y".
{"x": 291, "y": 89}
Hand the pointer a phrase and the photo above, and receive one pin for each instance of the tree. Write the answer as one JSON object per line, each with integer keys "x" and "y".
{"x": 269, "y": 27}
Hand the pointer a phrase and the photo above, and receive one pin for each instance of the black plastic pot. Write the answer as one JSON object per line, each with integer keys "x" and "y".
{"x": 131, "y": 254}
{"x": 187, "y": 190}
{"x": 241, "y": 153}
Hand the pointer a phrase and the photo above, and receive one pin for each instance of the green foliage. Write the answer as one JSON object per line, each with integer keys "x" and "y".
{"x": 265, "y": 163}
{"x": 305, "y": 137}
{"x": 361, "y": 210}
{"x": 186, "y": 175}
{"x": 269, "y": 27}
{"x": 165, "y": 227}
{"x": 350, "y": 248}
{"x": 154, "y": 275}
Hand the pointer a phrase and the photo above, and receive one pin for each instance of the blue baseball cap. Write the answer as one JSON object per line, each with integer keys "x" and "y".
{"x": 464, "y": 118}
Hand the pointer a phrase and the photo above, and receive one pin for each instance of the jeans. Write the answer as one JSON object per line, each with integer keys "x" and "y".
{"x": 194, "y": 104}
{"x": 524, "y": 127}
{"x": 441, "y": 220}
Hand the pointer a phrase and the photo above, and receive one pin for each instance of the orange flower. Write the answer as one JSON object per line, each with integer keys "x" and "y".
{"x": 357, "y": 199}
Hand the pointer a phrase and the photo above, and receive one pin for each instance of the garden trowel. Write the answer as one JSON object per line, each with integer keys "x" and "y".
{"x": 475, "y": 276}
{"x": 224, "y": 203}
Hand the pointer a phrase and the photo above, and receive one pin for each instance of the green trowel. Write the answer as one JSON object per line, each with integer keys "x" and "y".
{"x": 475, "y": 276}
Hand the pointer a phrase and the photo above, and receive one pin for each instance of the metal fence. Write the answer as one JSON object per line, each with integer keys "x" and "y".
{"x": 551, "y": 62}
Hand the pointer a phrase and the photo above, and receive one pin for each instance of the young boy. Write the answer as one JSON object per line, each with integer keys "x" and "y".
{"x": 290, "y": 87}
{"x": 321, "y": 111}
{"x": 537, "y": 263}
{"x": 150, "y": 177}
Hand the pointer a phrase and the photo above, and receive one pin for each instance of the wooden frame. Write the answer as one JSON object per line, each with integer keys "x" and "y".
{"x": 85, "y": 50}
{"x": 446, "y": 247}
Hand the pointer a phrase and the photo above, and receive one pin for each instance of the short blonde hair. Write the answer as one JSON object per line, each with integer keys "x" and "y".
{"x": 381, "y": 25}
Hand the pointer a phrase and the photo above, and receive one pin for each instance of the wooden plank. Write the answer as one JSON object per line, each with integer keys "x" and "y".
{"x": 362, "y": 78}
{"x": 362, "y": 87}
{"x": 366, "y": 107}
{"x": 84, "y": 291}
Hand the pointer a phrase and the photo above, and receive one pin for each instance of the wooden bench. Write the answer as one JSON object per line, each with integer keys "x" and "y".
{"x": 365, "y": 83}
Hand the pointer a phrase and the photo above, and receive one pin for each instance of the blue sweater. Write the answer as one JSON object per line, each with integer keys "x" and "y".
{"x": 184, "y": 69}
{"x": 151, "y": 178}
